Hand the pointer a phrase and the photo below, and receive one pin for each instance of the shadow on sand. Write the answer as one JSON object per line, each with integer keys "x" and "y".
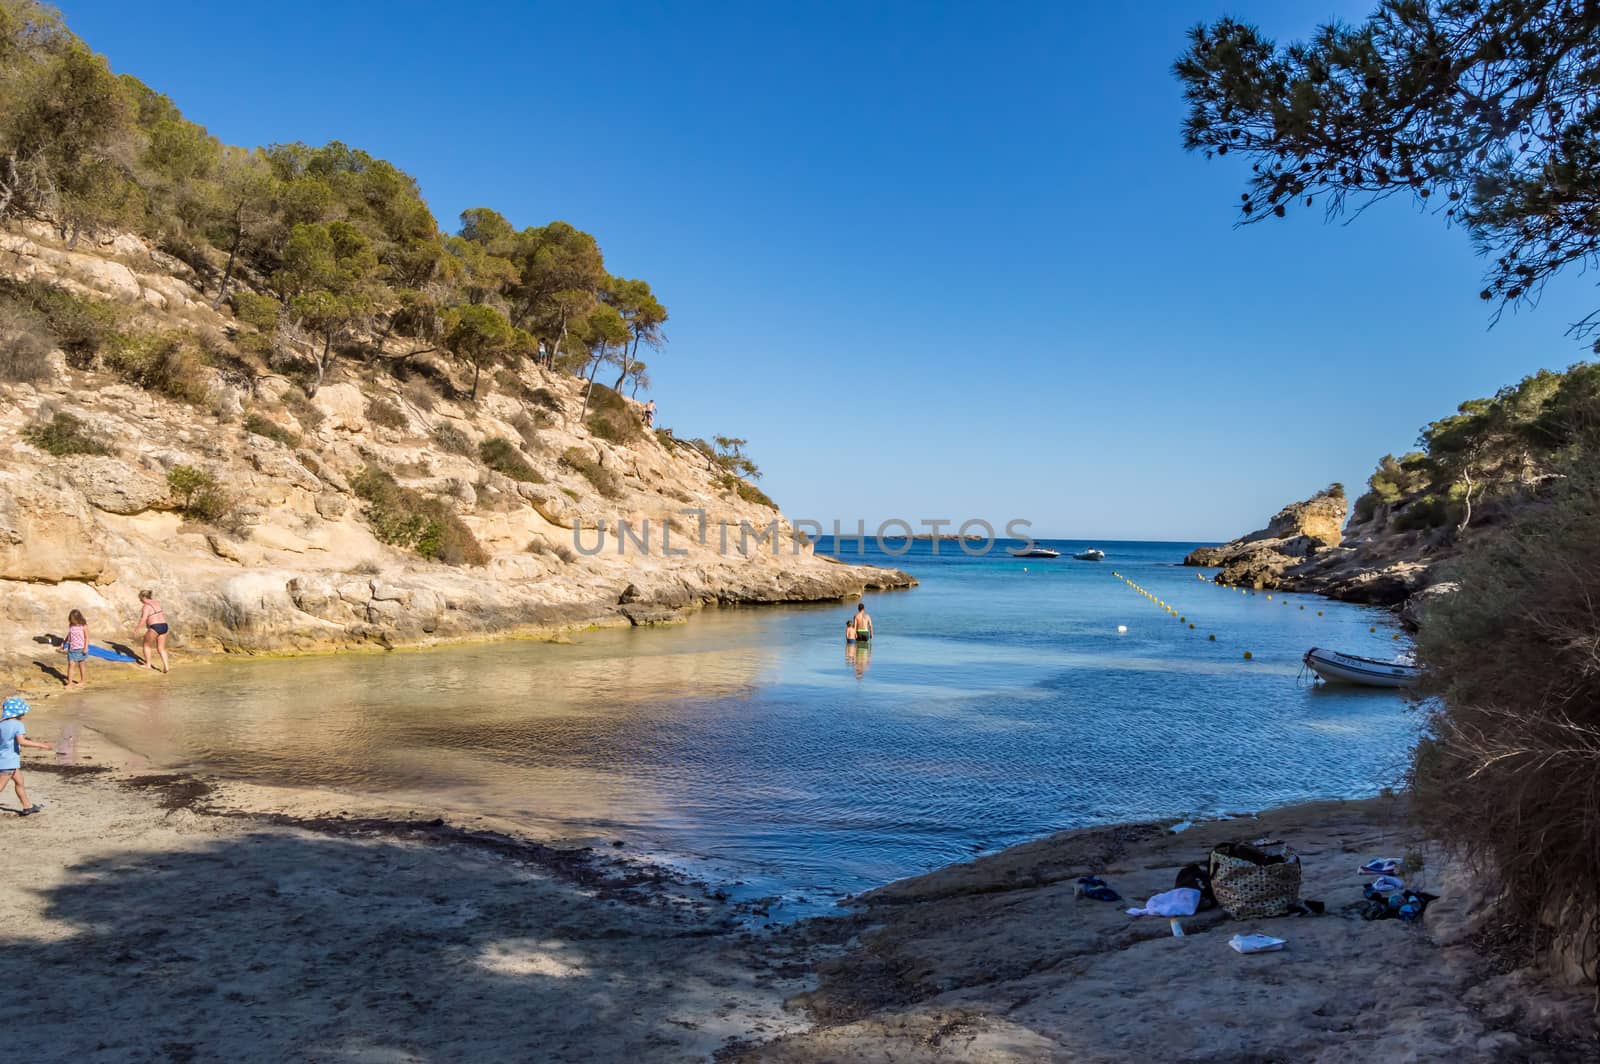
{"x": 284, "y": 944}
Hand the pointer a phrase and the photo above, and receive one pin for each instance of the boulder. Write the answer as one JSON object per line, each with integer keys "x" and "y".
{"x": 48, "y": 535}
{"x": 279, "y": 465}
{"x": 331, "y": 505}
{"x": 112, "y": 485}
{"x": 343, "y": 407}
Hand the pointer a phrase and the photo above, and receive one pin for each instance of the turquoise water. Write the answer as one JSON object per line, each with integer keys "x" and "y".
{"x": 998, "y": 703}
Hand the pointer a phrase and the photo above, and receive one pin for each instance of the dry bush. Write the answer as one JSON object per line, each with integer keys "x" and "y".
{"x": 258, "y": 424}
{"x": 528, "y": 425}
{"x": 25, "y": 344}
{"x": 405, "y": 518}
{"x": 304, "y": 410}
{"x": 421, "y": 394}
{"x": 64, "y": 434}
{"x": 612, "y": 418}
{"x": 381, "y": 411}
{"x": 501, "y": 455}
{"x": 1509, "y": 767}
{"x": 169, "y": 363}
{"x": 582, "y": 461}
{"x": 451, "y": 439}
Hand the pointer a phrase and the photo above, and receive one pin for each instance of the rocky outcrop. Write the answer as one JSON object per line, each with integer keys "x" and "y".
{"x": 1297, "y": 532}
{"x": 634, "y": 532}
{"x": 1369, "y": 562}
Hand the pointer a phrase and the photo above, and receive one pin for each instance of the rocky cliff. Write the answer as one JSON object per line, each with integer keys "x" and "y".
{"x": 289, "y": 554}
{"x": 1295, "y": 533}
{"x": 1307, "y": 546}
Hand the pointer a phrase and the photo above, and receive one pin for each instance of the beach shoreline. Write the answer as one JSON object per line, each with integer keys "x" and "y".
{"x": 294, "y": 922}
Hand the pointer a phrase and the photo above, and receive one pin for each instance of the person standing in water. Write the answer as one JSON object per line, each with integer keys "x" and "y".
{"x": 863, "y": 623}
{"x": 154, "y": 622}
{"x": 11, "y": 743}
{"x": 850, "y": 629}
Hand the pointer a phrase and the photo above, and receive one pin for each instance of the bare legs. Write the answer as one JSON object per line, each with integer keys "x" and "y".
{"x": 160, "y": 642}
{"x": 22, "y": 792}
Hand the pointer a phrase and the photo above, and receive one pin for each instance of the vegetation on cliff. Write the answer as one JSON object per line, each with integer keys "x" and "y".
{"x": 1491, "y": 454}
{"x": 325, "y": 249}
{"x": 310, "y": 258}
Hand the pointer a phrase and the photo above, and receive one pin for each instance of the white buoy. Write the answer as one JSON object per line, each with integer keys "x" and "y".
{"x": 1121, "y": 628}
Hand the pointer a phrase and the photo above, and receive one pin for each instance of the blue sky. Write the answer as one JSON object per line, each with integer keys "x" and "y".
{"x": 933, "y": 260}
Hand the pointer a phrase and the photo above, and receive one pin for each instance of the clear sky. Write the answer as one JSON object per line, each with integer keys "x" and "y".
{"x": 932, "y": 259}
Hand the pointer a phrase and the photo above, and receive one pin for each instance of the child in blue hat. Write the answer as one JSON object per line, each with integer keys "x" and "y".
{"x": 11, "y": 743}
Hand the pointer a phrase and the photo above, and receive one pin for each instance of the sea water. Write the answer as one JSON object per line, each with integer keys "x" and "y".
{"x": 998, "y": 702}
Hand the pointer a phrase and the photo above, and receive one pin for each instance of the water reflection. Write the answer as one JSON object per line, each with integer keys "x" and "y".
{"x": 738, "y": 738}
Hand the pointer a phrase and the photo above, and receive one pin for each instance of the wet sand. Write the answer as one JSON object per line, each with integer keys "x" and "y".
{"x": 169, "y": 918}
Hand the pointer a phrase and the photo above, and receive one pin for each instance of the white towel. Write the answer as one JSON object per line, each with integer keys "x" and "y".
{"x": 1180, "y": 901}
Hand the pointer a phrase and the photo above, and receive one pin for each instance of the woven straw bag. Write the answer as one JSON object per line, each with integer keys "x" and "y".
{"x": 1253, "y": 884}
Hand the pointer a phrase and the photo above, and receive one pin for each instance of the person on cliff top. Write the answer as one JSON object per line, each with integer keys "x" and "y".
{"x": 863, "y": 622}
{"x": 650, "y": 414}
{"x": 12, "y": 740}
{"x": 154, "y": 622}
{"x": 76, "y": 648}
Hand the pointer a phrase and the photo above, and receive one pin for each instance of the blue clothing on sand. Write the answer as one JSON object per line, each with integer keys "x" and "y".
{"x": 10, "y": 752}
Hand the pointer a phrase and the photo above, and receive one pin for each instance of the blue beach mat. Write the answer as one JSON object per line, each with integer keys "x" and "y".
{"x": 105, "y": 654}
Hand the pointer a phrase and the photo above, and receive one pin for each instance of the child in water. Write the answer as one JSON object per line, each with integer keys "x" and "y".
{"x": 850, "y": 630}
{"x": 76, "y": 648}
{"x": 11, "y": 743}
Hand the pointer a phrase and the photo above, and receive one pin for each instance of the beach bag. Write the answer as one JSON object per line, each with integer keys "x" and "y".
{"x": 1253, "y": 883}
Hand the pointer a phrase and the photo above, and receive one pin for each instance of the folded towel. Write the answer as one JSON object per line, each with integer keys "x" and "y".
{"x": 1255, "y": 943}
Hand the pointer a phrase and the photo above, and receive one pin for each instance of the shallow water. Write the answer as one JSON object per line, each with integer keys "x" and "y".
{"x": 999, "y": 703}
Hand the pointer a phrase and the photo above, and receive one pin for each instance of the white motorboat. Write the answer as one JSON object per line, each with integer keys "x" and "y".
{"x": 1093, "y": 554}
{"x": 1036, "y": 551}
{"x": 1352, "y": 668}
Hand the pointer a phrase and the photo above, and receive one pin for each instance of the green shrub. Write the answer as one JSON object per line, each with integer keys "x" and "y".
{"x": 200, "y": 497}
{"x": 502, "y": 456}
{"x": 612, "y": 418}
{"x": 545, "y": 398}
{"x": 260, "y": 425}
{"x": 410, "y": 520}
{"x": 80, "y": 326}
{"x": 1430, "y": 511}
{"x": 451, "y": 439}
{"x": 383, "y": 412}
{"x": 747, "y": 491}
{"x": 1367, "y": 505}
{"x": 168, "y": 363}
{"x": 582, "y": 461}
{"x": 261, "y": 312}
{"x": 64, "y": 434}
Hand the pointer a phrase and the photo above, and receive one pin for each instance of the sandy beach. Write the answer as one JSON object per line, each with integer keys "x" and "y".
{"x": 167, "y": 917}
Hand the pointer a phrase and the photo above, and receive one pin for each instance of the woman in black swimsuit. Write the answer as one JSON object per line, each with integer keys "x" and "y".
{"x": 154, "y": 622}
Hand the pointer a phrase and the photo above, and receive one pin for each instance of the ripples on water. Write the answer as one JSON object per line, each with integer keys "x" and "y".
{"x": 999, "y": 703}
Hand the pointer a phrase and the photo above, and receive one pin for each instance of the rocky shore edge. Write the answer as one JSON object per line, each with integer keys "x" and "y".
{"x": 1308, "y": 546}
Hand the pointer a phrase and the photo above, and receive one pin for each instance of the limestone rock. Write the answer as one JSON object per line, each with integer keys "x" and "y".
{"x": 1296, "y": 532}
{"x": 343, "y": 407}
{"x": 331, "y": 505}
{"x": 278, "y": 464}
{"x": 47, "y": 535}
{"x": 112, "y": 485}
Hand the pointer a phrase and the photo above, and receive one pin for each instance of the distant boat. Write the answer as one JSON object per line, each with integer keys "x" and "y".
{"x": 1093, "y": 554}
{"x": 1036, "y": 551}
{"x": 1368, "y": 672}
